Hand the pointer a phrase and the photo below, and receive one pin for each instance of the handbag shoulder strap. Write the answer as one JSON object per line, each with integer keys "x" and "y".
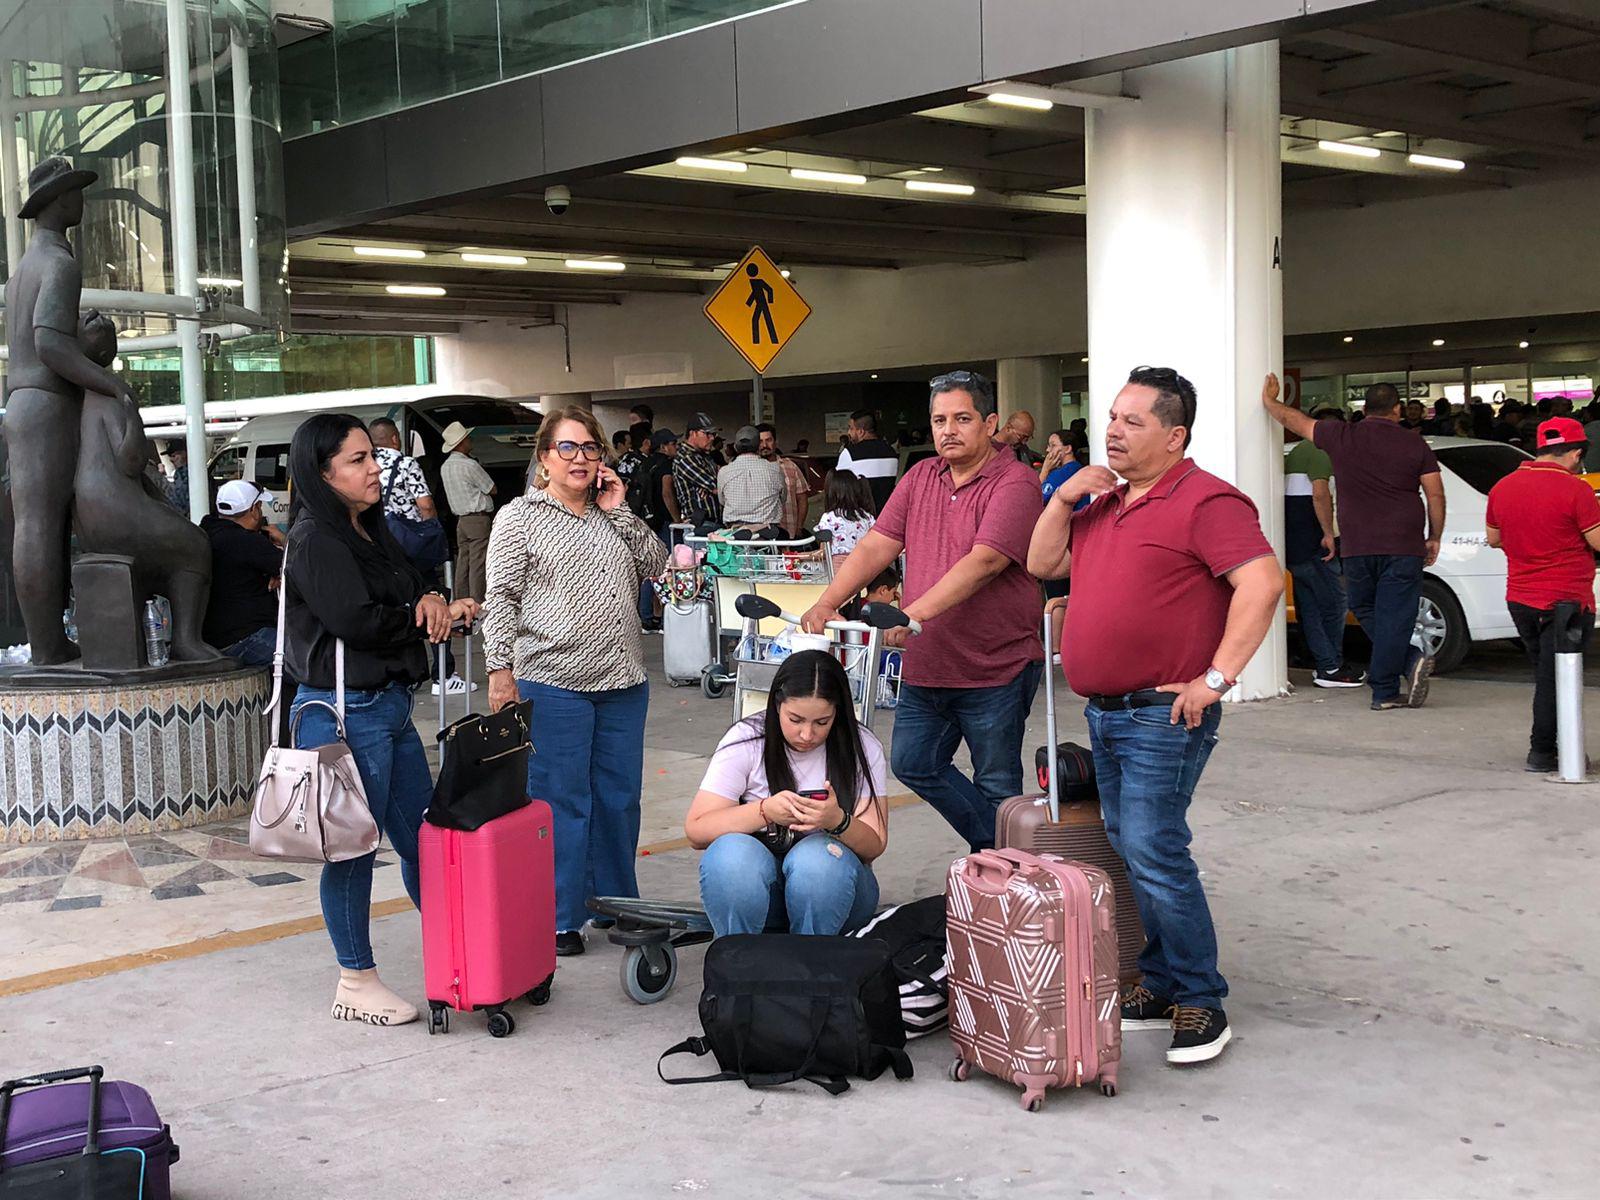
{"x": 271, "y": 709}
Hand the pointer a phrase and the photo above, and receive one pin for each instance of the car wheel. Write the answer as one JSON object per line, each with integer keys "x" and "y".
{"x": 1441, "y": 627}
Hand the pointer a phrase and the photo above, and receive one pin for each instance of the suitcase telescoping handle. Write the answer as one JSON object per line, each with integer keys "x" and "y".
{"x": 1053, "y": 785}
{"x": 91, "y": 1145}
{"x": 443, "y": 648}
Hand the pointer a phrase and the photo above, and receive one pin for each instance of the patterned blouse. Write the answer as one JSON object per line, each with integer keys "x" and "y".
{"x": 563, "y": 598}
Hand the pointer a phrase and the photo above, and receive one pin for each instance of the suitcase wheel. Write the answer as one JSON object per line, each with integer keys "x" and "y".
{"x": 1033, "y": 1101}
{"x": 1108, "y": 1087}
{"x": 438, "y": 1018}
{"x": 649, "y": 971}
{"x": 960, "y": 1070}
{"x": 500, "y": 1024}
{"x": 541, "y": 994}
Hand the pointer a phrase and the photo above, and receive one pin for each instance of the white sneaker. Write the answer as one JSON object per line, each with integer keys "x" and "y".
{"x": 455, "y": 686}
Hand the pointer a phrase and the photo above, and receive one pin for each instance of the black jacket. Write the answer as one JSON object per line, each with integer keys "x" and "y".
{"x": 368, "y": 599}
{"x": 243, "y": 562}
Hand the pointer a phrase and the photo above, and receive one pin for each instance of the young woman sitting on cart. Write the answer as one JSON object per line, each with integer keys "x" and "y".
{"x": 791, "y": 811}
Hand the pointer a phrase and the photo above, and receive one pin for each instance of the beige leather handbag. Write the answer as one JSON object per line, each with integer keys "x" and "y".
{"x": 310, "y": 805}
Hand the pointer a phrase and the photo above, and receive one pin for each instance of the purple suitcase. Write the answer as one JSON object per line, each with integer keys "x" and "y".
{"x": 53, "y": 1122}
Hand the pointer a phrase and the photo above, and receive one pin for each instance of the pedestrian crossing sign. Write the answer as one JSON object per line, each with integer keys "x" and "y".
{"x": 757, "y": 309}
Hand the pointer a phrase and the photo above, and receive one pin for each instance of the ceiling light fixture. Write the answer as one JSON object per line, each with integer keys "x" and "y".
{"x": 503, "y": 260}
{"x": 1347, "y": 148}
{"x": 389, "y": 252}
{"x": 1437, "y": 163}
{"x": 1438, "y": 341}
{"x": 1010, "y": 100}
{"x": 944, "y": 189}
{"x": 783, "y": 272}
{"x": 1348, "y": 339}
{"x": 218, "y": 281}
{"x": 827, "y": 176}
{"x": 595, "y": 264}
{"x": 413, "y": 289}
{"x": 1085, "y": 358}
{"x": 713, "y": 164}
{"x": 1522, "y": 345}
{"x": 874, "y": 375}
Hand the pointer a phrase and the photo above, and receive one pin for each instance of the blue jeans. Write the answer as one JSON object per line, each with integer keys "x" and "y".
{"x": 1319, "y": 603}
{"x": 257, "y": 649}
{"x": 1385, "y": 590}
{"x": 587, "y": 764}
{"x": 819, "y": 886}
{"x": 931, "y": 722}
{"x": 394, "y": 772}
{"x": 1147, "y": 768}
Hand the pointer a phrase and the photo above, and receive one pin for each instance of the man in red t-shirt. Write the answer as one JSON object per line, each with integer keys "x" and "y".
{"x": 1173, "y": 588}
{"x": 1547, "y": 520}
{"x": 963, "y": 519}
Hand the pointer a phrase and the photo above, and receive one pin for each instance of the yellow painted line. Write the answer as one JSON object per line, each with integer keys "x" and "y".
{"x": 671, "y": 844}
{"x": 232, "y": 940}
{"x": 243, "y": 938}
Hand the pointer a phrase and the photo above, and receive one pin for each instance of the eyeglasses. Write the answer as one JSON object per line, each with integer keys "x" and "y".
{"x": 568, "y": 451}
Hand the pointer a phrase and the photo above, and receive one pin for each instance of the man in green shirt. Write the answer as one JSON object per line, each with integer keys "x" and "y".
{"x": 1313, "y": 561}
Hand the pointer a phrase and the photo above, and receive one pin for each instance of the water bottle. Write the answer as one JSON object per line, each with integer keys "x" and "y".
{"x": 155, "y": 639}
{"x": 69, "y": 622}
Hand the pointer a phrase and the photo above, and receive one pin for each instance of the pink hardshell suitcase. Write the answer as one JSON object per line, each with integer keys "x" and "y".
{"x": 488, "y": 916}
{"x": 1032, "y": 952}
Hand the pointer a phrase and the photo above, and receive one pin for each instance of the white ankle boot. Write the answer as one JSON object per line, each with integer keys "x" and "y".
{"x": 363, "y": 997}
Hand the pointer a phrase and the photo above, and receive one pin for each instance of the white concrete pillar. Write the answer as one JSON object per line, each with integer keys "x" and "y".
{"x": 1184, "y": 266}
{"x": 1031, "y": 384}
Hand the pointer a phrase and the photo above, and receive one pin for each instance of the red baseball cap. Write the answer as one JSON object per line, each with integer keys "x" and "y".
{"x": 1561, "y": 431}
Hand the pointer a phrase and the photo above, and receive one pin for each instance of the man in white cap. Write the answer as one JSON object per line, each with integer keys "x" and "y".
{"x": 470, "y": 493}
{"x": 246, "y": 561}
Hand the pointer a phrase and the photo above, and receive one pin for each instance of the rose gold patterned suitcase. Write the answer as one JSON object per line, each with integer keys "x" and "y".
{"x": 1032, "y": 952}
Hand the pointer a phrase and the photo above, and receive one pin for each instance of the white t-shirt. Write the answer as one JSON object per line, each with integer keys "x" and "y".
{"x": 737, "y": 772}
{"x": 846, "y": 531}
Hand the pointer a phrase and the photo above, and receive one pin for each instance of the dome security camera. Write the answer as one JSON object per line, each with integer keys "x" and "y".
{"x": 558, "y": 199}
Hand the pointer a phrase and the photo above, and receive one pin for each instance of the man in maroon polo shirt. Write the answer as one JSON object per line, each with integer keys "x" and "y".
{"x": 1547, "y": 520}
{"x": 1173, "y": 589}
{"x": 963, "y": 519}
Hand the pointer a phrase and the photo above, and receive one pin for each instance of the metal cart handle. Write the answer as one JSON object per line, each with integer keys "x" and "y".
{"x": 878, "y": 616}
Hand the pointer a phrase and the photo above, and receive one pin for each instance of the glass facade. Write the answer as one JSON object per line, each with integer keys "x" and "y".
{"x": 88, "y": 80}
{"x": 386, "y": 54}
{"x": 255, "y": 367}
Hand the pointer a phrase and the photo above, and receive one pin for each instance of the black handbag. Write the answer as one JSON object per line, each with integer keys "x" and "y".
{"x": 90, "y": 1175}
{"x": 777, "y": 1007}
{"x": 483, "y": 770}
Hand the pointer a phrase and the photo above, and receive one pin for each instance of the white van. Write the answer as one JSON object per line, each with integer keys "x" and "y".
{"x": 503, "y": 436}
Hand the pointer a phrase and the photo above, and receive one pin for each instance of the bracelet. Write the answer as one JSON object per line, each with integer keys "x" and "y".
{"x": 762, "y": 809}
{"x": 838, "y": 830}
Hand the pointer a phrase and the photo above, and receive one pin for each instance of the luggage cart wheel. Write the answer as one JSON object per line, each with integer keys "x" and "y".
{"x": 438, "y": 1019}
{"x": 648, "y": 972}
{"x": 500, "y": 1024}
{"x": 960, "y": 1070}
{"x": 541, "y": 994}
{"x": 712, "y": 685}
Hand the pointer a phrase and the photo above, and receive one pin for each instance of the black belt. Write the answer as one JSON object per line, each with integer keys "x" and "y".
{"x": 1148, "y": 698}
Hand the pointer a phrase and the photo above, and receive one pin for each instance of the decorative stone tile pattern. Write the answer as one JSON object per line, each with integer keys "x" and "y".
{"x": 129, "y": 760}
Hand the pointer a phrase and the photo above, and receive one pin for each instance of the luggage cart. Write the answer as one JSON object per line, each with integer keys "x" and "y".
{"x": 793, "y": 573}
{"x": 650, "y": 931}
{"x": 854, "y": 643}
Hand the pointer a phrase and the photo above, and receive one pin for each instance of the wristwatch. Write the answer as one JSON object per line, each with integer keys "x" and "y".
{"x": 1218, "y": 682}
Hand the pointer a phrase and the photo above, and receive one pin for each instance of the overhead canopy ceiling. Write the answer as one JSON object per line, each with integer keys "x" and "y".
{"x": 1507, "y": 89}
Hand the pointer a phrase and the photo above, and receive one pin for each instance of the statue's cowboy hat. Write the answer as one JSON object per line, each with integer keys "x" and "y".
{"x": 50, "y": 179}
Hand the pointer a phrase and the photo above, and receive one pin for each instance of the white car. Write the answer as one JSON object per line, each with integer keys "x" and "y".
{"x": 1464, "y": 592}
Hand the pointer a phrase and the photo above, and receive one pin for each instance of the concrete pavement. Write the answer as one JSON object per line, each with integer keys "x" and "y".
{"x": 1403, "y": 921}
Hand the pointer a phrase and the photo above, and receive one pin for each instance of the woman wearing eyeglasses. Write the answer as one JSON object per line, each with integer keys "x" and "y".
{"x": 561, "y": 628}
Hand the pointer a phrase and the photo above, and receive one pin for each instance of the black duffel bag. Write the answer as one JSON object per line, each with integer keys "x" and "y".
{"x": 483, "y": 769}
{"x": 777, "y": 1007}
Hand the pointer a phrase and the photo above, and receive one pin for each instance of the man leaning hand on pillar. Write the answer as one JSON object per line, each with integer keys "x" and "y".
{"x": 1547, "y": 521}
{"x": 1174, "y": 587}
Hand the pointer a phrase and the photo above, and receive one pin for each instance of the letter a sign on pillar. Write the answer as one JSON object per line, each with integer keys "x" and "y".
{"x": 757, "y": 309}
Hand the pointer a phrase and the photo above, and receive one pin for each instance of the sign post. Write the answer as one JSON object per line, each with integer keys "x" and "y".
{"x": 758, "y": 311}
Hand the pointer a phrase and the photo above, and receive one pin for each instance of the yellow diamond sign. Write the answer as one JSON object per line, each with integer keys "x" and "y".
{"x": 757, "y": 309}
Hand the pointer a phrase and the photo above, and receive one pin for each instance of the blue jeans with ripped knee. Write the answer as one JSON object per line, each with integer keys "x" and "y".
{"x": 819, "y": 886}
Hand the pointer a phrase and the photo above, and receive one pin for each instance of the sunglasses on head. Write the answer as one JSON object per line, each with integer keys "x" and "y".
{"x": 957, "y": 379}
{"x": 1168, "y": 380}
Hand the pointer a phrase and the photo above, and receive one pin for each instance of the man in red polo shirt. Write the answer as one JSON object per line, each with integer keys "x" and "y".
{"x": 1547, "y": 520}
{"x": 963, "y": 519}
{"x": 1173, "y": 588}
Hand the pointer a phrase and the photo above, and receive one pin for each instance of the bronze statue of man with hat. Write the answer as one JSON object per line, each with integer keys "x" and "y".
{"x": 47, "y": 376}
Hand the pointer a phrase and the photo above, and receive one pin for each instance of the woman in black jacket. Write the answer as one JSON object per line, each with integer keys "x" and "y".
{"x": 348, "y": 581}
